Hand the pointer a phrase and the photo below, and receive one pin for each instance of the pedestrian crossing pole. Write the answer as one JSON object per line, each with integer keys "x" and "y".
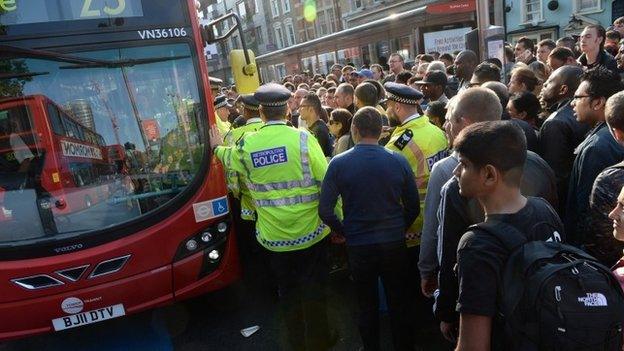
{"x": 483, "y": 23}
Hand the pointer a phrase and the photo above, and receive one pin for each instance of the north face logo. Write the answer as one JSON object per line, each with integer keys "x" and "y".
{"x": 593, "y": 300}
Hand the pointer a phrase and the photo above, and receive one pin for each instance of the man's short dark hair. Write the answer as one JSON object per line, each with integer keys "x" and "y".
{"x": 367, "y": 94}
{"x": 436, "y": 109}
{"x": 403, "y": 77}
{"x": 614, "y": 35}
{"x": 602, "y": 82}
{"x": 331, "y": 90}
{"x": 527, "y": 44}
{"x": 427, "y": 58}
{"x": 487, "y": 72}
{"x": 447, "y": 57}
{"x": 274, "y": 113}
{"x": 501, "y": 144}
{"x": 561, "y": 53}
{"x": 527, "y": 102}
{"x": 345, "y": 88}
{"x": 381, "y": 92}
{"x": 367, "y": 120}
{"x": 399, "y": 56}
{"x": 549, "y": 43}
{"x": 495, "y": 61}
{"x": 614, "y": 111}
{"x": 500, "y": 90}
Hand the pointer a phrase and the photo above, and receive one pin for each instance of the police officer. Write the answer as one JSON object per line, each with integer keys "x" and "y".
{"x": 283, "y": 167}
{"x": 250, "y": 119}
{"x": 423, "y": 144}
{"x": 222, "y": 109}
{"x": 251, "y": 256}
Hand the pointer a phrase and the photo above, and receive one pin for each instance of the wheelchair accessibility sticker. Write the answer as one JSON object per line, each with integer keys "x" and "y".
{"x": 210, "y": 209}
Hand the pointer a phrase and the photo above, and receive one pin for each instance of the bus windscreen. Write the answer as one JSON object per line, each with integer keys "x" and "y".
{"x": 16, "y": 12}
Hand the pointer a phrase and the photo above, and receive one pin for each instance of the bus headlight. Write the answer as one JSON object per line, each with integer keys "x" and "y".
{"x": 191, "y": 245}
{"x": 210, "y": 240}
{"x": 206, "y": 237}
{"x": 214, "y": 255}
{"x": 222, "y": 227}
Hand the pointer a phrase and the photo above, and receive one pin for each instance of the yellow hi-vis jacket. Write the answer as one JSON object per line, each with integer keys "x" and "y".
{"x": 423, "y": 144}
{"x": 283, "y": 168}
{"x": 238, "y": 189}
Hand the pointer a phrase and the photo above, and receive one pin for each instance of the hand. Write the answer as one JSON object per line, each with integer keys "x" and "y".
{"x": 449, "y": 331}
{"x": 428, "y": 285}
{"x": 215, "y": 137}
{"x": 337, "y": 239}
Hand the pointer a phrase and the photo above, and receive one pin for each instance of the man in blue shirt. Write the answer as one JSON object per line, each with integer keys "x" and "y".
{"x": 380, "y": 199}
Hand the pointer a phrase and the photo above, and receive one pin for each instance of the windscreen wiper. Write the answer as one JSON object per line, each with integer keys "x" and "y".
{"x": 124, "y": 63}
{"x": 22, "y": 75}
{"x": 11, "y": 52}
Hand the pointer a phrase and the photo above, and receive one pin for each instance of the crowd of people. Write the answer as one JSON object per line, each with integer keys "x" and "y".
{"x": 418, "y": 156}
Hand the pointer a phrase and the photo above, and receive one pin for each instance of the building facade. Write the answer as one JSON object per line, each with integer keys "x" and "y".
{"x": 553, "y": 19}
{"x": 374, "y": 29}
{"x": 255, "y": 31}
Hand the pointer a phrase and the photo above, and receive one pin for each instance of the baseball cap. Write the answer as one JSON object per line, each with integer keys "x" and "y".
{"x": 434, "y": 78}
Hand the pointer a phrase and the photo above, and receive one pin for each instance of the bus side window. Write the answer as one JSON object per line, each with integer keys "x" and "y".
{"x": 55, "y": 120}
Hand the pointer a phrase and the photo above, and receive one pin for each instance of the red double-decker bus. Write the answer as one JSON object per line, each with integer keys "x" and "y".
{"x": 110, "y": 200}
{"x": 75, "y": 166}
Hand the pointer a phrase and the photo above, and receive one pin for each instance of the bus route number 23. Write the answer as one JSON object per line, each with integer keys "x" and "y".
{"x": 88, "y": 11}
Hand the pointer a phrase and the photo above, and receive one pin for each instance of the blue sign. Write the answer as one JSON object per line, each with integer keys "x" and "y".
{"x": 269, "y": 157}
{"x": 220, "y": 207}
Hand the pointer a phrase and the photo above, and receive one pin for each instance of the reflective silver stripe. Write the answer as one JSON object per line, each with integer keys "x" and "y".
{"x": 283, "y": 185}
{"x": 305, "y": 157}
{"x": 296, "y": 242}
{"x": 287, "y": 201}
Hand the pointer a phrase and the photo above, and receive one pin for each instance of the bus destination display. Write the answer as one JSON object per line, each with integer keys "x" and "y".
{"x": 13, "y": 12}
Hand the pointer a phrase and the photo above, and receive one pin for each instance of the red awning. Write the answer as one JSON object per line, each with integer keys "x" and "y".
{"x": 459, "y": 6}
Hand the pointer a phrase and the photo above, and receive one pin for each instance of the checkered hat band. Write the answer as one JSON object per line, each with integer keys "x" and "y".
{"x": 402, "y": 100}
{"x": 251, "y": 107}
{"x": 274, "y": 104}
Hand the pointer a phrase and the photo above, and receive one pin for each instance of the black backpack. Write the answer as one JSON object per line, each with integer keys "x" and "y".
{"x": 555, "y": 296}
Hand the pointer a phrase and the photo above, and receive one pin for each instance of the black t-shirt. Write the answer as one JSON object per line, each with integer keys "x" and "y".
{"x": 481, "y": 258}
{"x": 321, "y": 132}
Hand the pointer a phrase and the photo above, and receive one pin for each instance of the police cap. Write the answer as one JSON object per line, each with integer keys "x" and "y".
{"x": 250, "y": 102}
{"x": 221, "y": 101}
{"x": 272, "y": 95}
{"x": 402, "y": 93}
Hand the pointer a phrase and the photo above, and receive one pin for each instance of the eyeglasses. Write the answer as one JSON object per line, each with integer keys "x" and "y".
{"x": 332, "y": 122}
{"x": 578, "y": 97}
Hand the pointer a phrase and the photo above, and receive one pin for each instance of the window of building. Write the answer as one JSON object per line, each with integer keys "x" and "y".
{"x": 532, "y": 11}
{"x": 587, "y": 6}
{"x": 275, "y": 8}
{"x": 242, "y": 12}
{"x": 357, "y": 4}
{"x": 290, "y": 34}
{"x": 322, "y": 23}
{"x": 259, "y": 37}
{"x": 535, "y": 36}
{"x": 286, "y": 6}
{"x": 332, "y": 20}
{"x": 279, "y": 37}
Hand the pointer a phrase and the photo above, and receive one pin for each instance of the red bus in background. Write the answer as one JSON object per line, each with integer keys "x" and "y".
{"x": 76, "y": 170}
{"x": 101, "y": 218}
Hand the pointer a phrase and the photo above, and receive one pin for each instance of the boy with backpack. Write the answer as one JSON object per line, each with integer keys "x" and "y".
{"x": 520, "y": 288}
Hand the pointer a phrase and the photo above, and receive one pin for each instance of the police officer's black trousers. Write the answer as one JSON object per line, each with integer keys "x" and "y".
{"x": 302, "y": 278}
{"x": 389, "y": 262}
